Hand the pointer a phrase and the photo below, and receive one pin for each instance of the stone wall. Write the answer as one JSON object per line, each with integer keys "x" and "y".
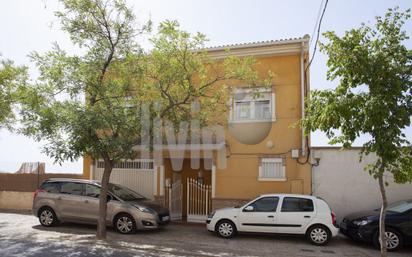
{"x": 19, "y": 201}
{"x": 28, "y": 182}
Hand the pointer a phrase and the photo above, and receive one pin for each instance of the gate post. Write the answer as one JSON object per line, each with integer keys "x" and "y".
{"x": 187, "y": 197}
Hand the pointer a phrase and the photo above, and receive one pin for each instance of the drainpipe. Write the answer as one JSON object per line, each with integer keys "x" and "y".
{"x": 302, "y": 94}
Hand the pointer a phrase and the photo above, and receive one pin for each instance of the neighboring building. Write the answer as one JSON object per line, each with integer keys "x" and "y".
{"x": 341, "y": 180}
{"x": 264, "y": 146}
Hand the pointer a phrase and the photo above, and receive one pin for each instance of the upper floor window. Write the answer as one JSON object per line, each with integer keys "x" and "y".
{"x": 248, "y": 105}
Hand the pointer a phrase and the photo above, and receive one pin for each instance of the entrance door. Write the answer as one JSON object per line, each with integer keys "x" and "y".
{"x": 175, "y": 200}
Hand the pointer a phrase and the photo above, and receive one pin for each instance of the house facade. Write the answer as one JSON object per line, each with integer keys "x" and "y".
{"x": 263, "y": 150}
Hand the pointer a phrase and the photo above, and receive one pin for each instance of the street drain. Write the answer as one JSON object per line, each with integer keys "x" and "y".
{"x": 307, "y": 250}
{"x": 327, "y": 251}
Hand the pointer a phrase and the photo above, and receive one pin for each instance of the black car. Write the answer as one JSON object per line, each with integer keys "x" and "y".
{"x": 364, "y": 226}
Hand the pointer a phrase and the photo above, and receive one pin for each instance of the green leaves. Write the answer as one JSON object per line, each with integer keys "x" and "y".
{"x": 12, "y": 79}
{"x": 178, "y": 72}
{"x": 91, "y": 103}
{"x": 373, "y": 97}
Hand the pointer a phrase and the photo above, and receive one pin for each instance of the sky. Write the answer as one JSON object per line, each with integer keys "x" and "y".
{"x": 26, "y": 26}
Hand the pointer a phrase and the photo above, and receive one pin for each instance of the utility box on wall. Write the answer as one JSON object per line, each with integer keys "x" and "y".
{"x": 295, "y": 153}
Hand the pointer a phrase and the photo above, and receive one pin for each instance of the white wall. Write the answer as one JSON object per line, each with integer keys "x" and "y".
{"x": 341, "y": 180}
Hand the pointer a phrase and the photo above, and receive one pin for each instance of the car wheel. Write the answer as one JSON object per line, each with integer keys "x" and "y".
{"x": 47, "y": 217}
{"x": 394, "y": 240}
{"x": 124, "y": 224}
{"x": 318, "y": 235}
{"x": 226, "y": 229}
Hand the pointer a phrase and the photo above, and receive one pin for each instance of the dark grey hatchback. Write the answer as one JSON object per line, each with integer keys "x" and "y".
{"x": 77, "y": 200}
{"x": 364, "y": 226}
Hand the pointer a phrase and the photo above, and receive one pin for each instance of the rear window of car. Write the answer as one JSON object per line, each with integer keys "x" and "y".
{"x": 51, "y": 187}
{"x": 71, "y": 188}
{"x": 296, "y": 204}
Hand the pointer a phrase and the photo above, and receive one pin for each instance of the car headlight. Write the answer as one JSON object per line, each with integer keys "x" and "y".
{"x": 144, "y": 209}
{"x": 211, "y": 215}
{"x": 360, "y": 222}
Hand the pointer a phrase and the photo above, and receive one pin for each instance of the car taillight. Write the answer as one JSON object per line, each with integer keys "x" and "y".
{"x": 36, "y": 192}
{"x": 333, "y": 218}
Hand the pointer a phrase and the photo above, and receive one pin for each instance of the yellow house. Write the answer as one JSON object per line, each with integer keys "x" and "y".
{"x": 263, "y": 150}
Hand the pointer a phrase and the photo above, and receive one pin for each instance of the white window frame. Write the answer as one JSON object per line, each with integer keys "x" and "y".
{"x": 232, "y": 114}
{"x": 273, "y": 160}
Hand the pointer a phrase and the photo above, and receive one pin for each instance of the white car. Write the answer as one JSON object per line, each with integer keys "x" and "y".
{"x": 279, "y": 214}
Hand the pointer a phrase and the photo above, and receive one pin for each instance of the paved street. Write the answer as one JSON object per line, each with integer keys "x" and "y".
{"x": 21, "y": 235}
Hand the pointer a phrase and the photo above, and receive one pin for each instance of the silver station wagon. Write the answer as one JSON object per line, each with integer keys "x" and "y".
{"x": 77, "y": 200}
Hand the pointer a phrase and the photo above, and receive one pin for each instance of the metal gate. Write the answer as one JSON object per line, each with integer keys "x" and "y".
{"x": 173, "y": 199}
{"x": 199, "y": 203}
{"x": 137, "y": 175}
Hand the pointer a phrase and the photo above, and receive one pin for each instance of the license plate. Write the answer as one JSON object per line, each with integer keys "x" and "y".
{"x": 165, "y": 218}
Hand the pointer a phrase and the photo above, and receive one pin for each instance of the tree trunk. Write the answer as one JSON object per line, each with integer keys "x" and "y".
{"x": 101, "y": 222}
{"x": 382, "y": 237}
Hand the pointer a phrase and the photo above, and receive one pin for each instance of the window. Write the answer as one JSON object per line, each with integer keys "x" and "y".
{"x": 137, "y": 165}
{"x": 265, "y": 204}
{"x": 252, "y": 106}
{"x": 51, "y": 187}
{"x": 71, "y": 188}
{"x": 296, "y": 204}
{"x": 262, "y": 110}
{"x": 272, "y": 169}
{"x": 242, "y": 110}
{"x": 92, "y": 191}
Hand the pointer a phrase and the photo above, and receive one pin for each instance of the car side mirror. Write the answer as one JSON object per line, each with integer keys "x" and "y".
{"x": 109, "y": 198}
{"x": 248, "y": 208}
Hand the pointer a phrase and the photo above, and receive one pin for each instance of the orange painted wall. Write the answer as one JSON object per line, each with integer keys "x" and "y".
{"x": 240, "y": 179}
{"x": 86, "y": 167}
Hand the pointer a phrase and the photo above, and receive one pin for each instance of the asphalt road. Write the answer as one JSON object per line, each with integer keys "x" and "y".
{"x": 22, "y": 235}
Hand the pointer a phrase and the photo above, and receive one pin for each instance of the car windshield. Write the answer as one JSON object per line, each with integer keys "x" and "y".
{"x": 400, "y": 207}
{"x": 124, "y": 193}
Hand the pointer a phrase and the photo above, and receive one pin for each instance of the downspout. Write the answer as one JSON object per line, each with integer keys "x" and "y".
{"x": 302, "y": 94}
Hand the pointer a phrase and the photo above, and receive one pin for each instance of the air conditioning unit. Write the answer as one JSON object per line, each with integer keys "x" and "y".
{"x": 295, "y": 153}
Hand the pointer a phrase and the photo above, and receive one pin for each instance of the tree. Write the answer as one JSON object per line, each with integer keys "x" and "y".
{"x": 12, "y": 79}
{"x": 373, "y": 97}
{"x": 117, "y": 78}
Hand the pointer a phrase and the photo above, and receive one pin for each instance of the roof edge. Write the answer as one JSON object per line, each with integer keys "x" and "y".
{"x": 291, "y": 46}
{"x": 304, "y": 39}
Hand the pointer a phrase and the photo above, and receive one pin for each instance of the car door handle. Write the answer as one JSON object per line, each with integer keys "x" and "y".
{"x": 270, "y": 216}
{"x": 86, "y": 201}
{"x": 59, "y": 198}
{"x": 307, "y": 216}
